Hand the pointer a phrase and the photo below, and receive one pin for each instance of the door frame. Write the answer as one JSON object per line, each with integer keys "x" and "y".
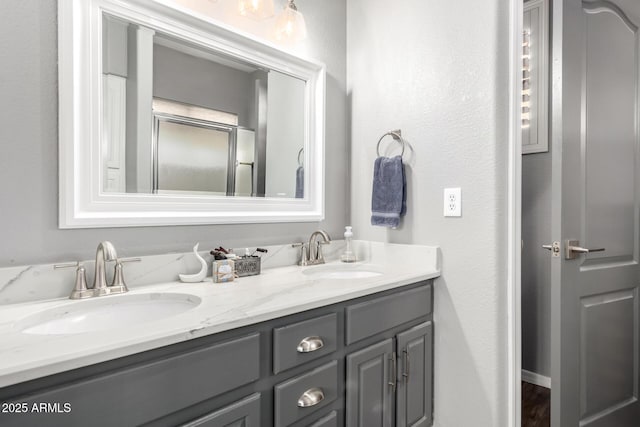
{"x": 514, "y": 215}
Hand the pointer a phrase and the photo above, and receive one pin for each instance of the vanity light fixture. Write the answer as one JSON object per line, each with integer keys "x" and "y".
{"x": 290, "y": 24}
{"x": 256, "y": 9}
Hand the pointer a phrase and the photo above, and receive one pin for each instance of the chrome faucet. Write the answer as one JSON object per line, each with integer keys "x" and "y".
{"x": 315, "y": 250}
{"x": 105, "y": 252}
{"x": 311, "y": 252}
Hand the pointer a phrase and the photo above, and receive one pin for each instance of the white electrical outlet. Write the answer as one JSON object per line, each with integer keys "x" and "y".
{"x": 452, "y": 202}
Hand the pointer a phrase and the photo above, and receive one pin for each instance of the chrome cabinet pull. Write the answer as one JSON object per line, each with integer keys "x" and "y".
{"x": 394, "y": 372}
{"x": 309, "y": 344}
{"x": 572, "y": 249}
{"x": 311, "y": 397}
{"x": 405, "y": 374}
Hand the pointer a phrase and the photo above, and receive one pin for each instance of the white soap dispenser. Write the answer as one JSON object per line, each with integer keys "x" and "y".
{"x": 348, "y": 255}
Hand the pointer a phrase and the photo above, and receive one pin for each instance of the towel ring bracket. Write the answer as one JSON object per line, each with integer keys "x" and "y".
{"x": 396, "y": 135}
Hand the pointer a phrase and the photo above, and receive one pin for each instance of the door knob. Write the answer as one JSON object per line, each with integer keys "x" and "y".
{"x": 572, "y": 250}
{"x": 554, "y": 248}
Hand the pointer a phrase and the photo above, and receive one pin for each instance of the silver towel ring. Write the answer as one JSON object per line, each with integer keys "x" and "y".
{"x": 396, "y": 135}
{"x": 299, "y": 153}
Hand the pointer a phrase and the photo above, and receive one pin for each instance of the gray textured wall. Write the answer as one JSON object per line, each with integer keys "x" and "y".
{"x": 536, "y": 267}
{"x": 29, "y": 160}
{"x": 439, "y": 72}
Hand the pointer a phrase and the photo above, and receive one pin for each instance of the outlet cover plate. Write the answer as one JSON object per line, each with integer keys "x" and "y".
{"x": 453, "y": 202}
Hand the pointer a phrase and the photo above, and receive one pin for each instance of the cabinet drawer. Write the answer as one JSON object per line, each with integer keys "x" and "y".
{"x": 320, "y": 385}
{"x": 330, "y": 420}
{"x": 369, "y": 318}
{"x": 150, "y": 391}
{"x": 296, "y": 344}
{"x": 243, "y": 413}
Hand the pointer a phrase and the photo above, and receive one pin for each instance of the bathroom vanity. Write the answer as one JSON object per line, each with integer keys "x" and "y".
{"x": 376, "y": 351}
{"x": 291, "y": 347}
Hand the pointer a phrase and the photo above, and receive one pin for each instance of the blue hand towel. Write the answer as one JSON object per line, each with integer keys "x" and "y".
{"x": 299, "y": 183}
{"x": 389, "y": 198}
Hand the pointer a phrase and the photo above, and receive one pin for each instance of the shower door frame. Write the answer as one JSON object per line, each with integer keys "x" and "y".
{"x": 159, "y": 117}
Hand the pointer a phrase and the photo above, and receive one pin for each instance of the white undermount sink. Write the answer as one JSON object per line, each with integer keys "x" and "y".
{"x": 342, "y": 271}
{"x": 107, "y": 313}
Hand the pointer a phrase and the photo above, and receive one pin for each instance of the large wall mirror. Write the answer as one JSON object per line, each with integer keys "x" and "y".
{"x": 167, "y": 117}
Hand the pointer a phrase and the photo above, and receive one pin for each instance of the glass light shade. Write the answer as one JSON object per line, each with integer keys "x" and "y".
{"x": 290, "y": 24}
{"x": 256, "y": 9}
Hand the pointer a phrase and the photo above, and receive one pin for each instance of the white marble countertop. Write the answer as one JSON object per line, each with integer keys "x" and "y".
{"x": 275, "y": 293}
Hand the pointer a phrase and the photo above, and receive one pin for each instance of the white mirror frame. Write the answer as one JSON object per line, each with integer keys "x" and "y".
{"x": 83, "y": 203}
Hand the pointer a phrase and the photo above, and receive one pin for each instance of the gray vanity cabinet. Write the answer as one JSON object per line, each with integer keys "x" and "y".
{"x": 415, "y": 378}
{"x": 369, "y": 318}
{"x": 394, "y": 376}
{"x": 370, "y": 397}
{"x": 304, "y": 342}
{"x": 245, "y": 413}
{"x": 330, "y": 420}
{"x": 298, "y": 397}
{"x": 326, "y": 367}
{"x": 141, "y": 390}
{"x": 382, "y": 387}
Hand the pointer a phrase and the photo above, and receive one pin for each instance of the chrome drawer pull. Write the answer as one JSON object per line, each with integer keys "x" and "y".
{"x": 310, "y": 344}
{"x": 311, "y": 397}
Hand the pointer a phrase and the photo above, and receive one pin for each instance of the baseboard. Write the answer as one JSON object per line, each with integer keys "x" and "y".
{"x": 537, "y": 379}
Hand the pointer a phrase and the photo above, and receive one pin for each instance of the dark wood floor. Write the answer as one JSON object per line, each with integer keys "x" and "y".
{"x": 536, "y": 406}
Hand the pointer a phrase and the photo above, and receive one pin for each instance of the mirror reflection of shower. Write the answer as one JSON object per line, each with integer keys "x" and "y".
{"x": 218, "y": 125}
{"x": 199, "y": 150}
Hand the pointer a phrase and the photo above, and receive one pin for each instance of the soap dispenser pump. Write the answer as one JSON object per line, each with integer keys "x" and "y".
{"x": 348, "y": 255}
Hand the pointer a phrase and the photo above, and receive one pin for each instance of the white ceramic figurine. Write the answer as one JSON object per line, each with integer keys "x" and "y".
{"x": 199, "y": 276}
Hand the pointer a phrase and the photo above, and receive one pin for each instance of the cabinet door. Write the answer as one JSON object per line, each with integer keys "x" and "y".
{"x": 415, "y": 379}
{"x": 245, "y": 413}
{"x": 369, "y": 395}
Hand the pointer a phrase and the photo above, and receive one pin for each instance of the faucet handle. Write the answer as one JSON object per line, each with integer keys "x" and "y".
{"x": 67, "y": 265}
{"x": 304, "y": 256}
{"x": 319, "y": 254}
{"x": 80, "y": 290}
{"x": 119, "y": 286}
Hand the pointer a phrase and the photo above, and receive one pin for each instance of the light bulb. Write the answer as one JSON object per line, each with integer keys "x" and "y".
{"x": 256, "y": 9}
{"x": 290, "y": 25}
